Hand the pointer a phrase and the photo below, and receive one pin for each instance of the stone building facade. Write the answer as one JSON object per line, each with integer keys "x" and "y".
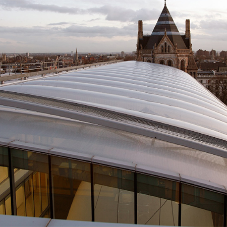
{"x": 166, "y": 45}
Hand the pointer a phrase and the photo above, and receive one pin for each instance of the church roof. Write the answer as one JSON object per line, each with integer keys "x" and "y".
{"x": 165, "y": 23}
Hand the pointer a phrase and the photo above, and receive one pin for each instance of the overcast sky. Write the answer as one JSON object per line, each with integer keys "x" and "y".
{"x": 103, "y": 25}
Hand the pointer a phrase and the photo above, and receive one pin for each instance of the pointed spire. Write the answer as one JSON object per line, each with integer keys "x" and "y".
{"x": 166, "y": 26}
{"x": 76, "y": 55}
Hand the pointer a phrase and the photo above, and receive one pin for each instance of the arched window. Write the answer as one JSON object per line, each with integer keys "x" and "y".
{"x": 162, "y": 62}
{"x": 170, "y": 63}
{"x": 165, "y": 47}
{"x": 182, "y": 65}
{"x": 169, "y": 49}
{"x": 162, "y": 49}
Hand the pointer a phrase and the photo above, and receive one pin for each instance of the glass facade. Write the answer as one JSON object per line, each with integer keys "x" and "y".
{"x": 5, "y": 199}
{"x": 113, "y": 195}
{"x": 71, "y": 187}
{"x": 201, "y": 207}
{"x": 158, "y": 201}
{"x": 31, "y": 177}
{"x": 47, "y": 186}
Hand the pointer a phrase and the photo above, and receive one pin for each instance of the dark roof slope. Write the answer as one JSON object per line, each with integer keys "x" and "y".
{"x": 165, "y": 23}
{"x": 144, "y": 41}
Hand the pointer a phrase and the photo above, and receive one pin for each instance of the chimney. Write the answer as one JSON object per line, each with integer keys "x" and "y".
{"x": 140, "y": 29}
{"x": 187, "y": 29}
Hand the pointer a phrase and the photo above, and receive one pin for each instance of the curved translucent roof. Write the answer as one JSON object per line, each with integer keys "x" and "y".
{"x": 150, "y": 91}
{"x": 52, "y": 115}
{"x": 52, "y": 135}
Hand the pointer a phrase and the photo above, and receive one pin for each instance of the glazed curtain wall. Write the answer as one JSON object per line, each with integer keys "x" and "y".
{"x": 46, "y": 186}
{"x": 5, "y": 198}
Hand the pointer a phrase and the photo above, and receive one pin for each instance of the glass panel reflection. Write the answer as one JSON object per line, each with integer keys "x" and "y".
{"x": 4, "y": 174}
{"x": 32, "y": 194}
{"x": 37, "y": 194}
{"x": 4, "y": 182}
{"x": 44, "y": 190}
{"x": 8, "y": 205}
{"x": 71, "y": 189}
{"x": 113, "y": 195}
{"x": 201, "y": 207}
{"x": 157, "y": 201}
{"x": 29, "y": 197}
{"x": 2, "y": 207}
{"x": 20, "y": 200}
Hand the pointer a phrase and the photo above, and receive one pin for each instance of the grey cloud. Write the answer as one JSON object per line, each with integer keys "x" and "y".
{"x": 5, "y": 43}
{"x": 95, "y": 19}
{"x": 213, "y": 24}
{"x": 121, "y": 14}
{"x": 194, "y": 26}
{"x": 111, "y": 13}
{"x": 22, "y": 43}
{"x": 59, "y": 23}
{"x": 114, "y": 13}
{"x": 24, "y": 31}
{"x": 211, "y": 37}
{"x": 72, "y": 30}
{"x": 146, "y": 14}
{"x": 177, "y": 14}
{"x": 96, "y": 31}
{"x": 24, "y": 5}
{"x": 181, "y": 26}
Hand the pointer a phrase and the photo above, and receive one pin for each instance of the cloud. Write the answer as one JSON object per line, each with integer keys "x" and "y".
{"x": 210, "y": 37}
{"x": 5, "y": 43}
{"x": 26, "y": 5}
{"x": 59, "y": 23}
{"x": 102, "y": 31}
{"x": 94, "y": 19}
{"x": 72, "y": 30}
{"x": 75, "y": 30}
{"x": 111, "y": 13}
{"x": 194, "y": 26}
{"x": 213, "y": 24}
{"x": 123, "y": 15}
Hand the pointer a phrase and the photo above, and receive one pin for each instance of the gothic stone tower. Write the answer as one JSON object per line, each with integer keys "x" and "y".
{"x": 166, "y": 45}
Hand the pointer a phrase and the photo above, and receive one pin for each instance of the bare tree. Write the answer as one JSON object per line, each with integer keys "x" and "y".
{"x": 218, "y": 86}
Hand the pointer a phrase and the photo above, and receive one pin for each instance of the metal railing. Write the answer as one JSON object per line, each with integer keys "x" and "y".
{"x": 24, "y": 76}
{"x": 19, "y": 68}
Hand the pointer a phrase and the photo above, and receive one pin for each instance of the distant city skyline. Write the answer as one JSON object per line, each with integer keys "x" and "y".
{"x": 103, "y": 26}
